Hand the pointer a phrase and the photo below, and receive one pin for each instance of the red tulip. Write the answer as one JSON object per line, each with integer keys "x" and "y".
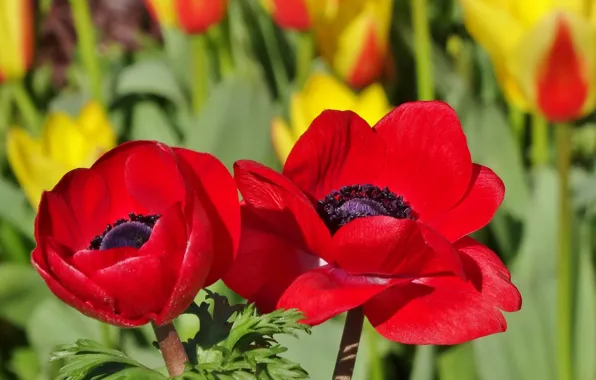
{"x": 196, "y": 16}
{"x": 376, "y": 217}
{"x": 172, "y": 220}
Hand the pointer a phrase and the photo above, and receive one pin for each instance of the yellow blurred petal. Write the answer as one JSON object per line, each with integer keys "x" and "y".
{"x": 372, "y": 104}
{"x": 371, "y": 17}
{"x": 528, "y": 57}
{"x": 530, "y": 12}
{"x": 64, "y": 142}
{"x": 164, "y": 11}
{"x": 324, "y": 91}
{"x": 282, "y": 138}
{"x": 298, "y": 116}
{"x": 492, "y": 27}
{"x": 96, "y": 128}
{"x": 13, "y": 17}
{"x": 33, "y": 170}
{"x": 510, "y": 87}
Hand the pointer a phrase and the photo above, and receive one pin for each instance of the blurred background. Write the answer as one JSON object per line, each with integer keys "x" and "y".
{"x": 244, "y": 78}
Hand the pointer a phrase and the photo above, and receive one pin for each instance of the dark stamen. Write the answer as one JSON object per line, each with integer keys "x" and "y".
{"x": 359, "y": 201}
{"x": 132, "y": 232}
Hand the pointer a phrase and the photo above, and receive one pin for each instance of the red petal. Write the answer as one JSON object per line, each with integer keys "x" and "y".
{"x": 55, "y": 219}
{"x": 89, "y": 261}
{"x": 81, "y": 305}
{"x": 81, "y": 286}
{"x": 369, "y": 65}
{"x": 291, "y": 14}
{"x": 140, "y": 286}
{"x": 476, "y": 209}
{"x": 338, "y": 149}
{"x": 111, "y": 166}
{"x": 381, "y": 245}
{"x": 283, "y": 209}
{"x": 427, "y": 160}
{"x": 436, "y": 310}
{"x": 153, "y": 178}
{"x": 266, "y": 264}
{"x": 325, "y": 292}
{"x": 196, "y": 16}
{"x": 489, "y": 275}
{"x": 217, "y": 190}
{"x": 562, "y": 83}
{"x": 85, "y": 193}
{"x": 196, "y": 262}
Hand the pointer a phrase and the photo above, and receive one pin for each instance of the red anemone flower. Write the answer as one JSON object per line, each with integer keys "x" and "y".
{"x": 173, "y": 226}
{"x": 378, "y": 218}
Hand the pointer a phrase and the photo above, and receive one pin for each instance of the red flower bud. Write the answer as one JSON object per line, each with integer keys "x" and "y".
{"x": 136, "y": 236}
{"x": 196, "y": 16}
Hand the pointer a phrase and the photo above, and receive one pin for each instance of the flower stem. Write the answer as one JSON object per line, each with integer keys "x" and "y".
{"x": 87, "y": 44}
{"x": 171, "y": 348}
{"x": 348, "y": 348}
{"x": 27, "y": 109}
{"x": 564, "y": 284}
{"x": 517, "y": 121}
{"x": 199, "y": 71}
{"x": 540, "y": 143}
{"x": 422, "y": 44}
{"x": 226, "y": 63}
{"x": 304, "y": 57}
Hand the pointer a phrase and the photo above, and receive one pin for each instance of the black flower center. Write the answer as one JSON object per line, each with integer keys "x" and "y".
{"x": 359, "y": 201}
{"x": 132, "y": 232}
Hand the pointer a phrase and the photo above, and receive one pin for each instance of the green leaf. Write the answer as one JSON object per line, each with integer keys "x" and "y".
{"x": 21, "y": 290}
{"x": 88, "y": 360}
{"x": 317, "y": 353}
{"x": 150, "y": 77}
{"x": 15, "y": 208}
{"x": 526, "y": 349}
{"x": 457, "y": 363}
{"x": 24, "y": 363}
{"x": 492, "y": 144}
{"x": 150, "y": 123}
{"x": 235, "y": 120}
{"x": 54, "y": 323}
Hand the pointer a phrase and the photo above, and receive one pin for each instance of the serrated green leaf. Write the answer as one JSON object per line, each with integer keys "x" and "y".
{"x": 53, "y": 323}
{"x": 21, "y": 290}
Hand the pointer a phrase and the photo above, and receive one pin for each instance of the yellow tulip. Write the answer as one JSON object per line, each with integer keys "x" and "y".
{"x": 351, "y": 35}
{"x": 17, "y": 38}
{"x": 354, "y": 38}
{"x": 163, "y": 11}
{"x": 322, "y": 92}
{"x": 543, "y": 51}
{"x": 65, "y": 144}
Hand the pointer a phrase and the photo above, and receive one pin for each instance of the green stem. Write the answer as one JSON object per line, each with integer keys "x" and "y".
{"x": 518, "y": 123}
{"x": 305, "y": 53}
{"x": 422, "y": 45}
{"x": 26, "y": 107}
{"x": 106, "y": 335}
{"x": 564, "y": 268}
{"x": 86, "y": 40}
{"x": 226, "y": 64}
{"x": 540, "y": 141}
{"x": 199, "y": 71}
{"x": 348, "y": 348}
